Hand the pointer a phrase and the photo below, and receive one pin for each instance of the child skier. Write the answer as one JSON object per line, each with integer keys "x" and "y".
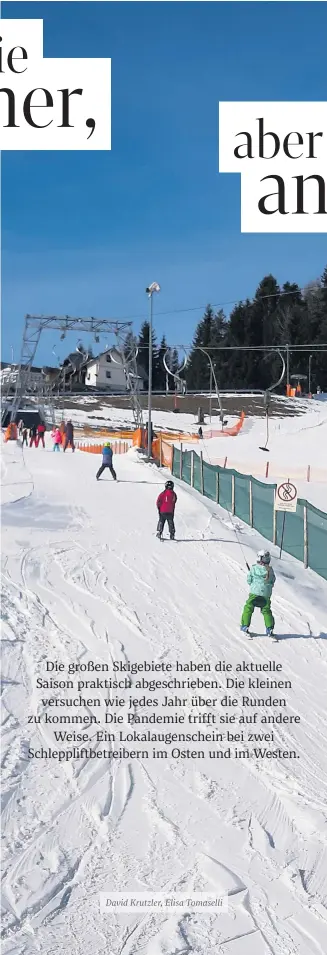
{"x": 33, "y": 435}
{"x": 166, "y": 509}
{"x": 57, "y": 439}
{"x": 40, "y": 434}
{"x": 261, "y": 579}
{"x": 107, "y": 461}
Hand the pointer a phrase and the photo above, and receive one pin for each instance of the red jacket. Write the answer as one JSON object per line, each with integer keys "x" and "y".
{"x": 166, "y": 502}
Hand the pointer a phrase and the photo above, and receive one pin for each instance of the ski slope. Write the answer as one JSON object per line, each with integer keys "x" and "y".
{"x": 84, "y": 578}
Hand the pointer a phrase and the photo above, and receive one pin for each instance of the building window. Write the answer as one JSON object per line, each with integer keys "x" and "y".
{"x": 108, "y": 374}
{"x": 108, "y": 357}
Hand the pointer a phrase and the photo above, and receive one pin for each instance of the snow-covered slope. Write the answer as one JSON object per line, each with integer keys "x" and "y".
{"x": 293, "y": 444}
{"x": 84, "y": 578}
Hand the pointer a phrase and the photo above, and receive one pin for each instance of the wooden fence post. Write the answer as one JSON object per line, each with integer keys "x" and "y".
{"x": 181, "y": 463}
{"x": 251, "y": 502}
{"x": 201, "y": 471}
{"x": 192, "y": 468}
{"x": 305, "y": 532}
{"x": 274, "y": 520}
{"x": 233, "y": 493}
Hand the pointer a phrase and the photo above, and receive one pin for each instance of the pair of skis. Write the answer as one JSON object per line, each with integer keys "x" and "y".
{"x": 251, "y": 635}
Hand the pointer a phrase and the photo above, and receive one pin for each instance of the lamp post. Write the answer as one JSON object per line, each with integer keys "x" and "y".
{"x": 309, "y": 378}
{"x": 210, "y": 400}
{"x": 150, "y": 290}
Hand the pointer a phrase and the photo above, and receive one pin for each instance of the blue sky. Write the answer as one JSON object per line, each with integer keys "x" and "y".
{"x": 84, "y": 233}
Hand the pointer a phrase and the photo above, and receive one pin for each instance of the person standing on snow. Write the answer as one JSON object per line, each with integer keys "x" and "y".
{"x": 107, "y": 461}
{"x": 57, "y": 439}
{"x": 40, "y": 434}
{"x": 261, "y": 579}
{"x": 33, "y": 435}
{"x": 24, "y": 437}
{"x": 69, "y": 436}
{"x": 166, "y": 508}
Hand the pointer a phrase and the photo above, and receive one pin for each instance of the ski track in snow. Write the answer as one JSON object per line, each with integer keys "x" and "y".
{"x": 84, "y": 578}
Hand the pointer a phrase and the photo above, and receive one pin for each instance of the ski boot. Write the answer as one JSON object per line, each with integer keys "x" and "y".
{"x": 269, "y": 632}
{"x": 244, "y": 629}
{"x": 159, "y": 535}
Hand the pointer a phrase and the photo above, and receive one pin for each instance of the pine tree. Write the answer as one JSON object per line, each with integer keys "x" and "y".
{"x": 130, "y": 345}
{"x": 143, "y": 354}
{"x": 198, "y": 369}
{"x": 316, "y": 304}
{"x": 161, "y": 368}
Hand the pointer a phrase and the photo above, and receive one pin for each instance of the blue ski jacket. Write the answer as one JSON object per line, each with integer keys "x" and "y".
{"x": 107, "y": 456}
{"x": 261, "y": 580}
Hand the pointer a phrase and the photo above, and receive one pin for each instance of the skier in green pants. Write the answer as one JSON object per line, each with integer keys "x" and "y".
{"x": 261, "y": 579}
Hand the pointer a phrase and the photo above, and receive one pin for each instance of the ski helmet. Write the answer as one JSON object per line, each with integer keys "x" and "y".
{"x": 169, "y": 485}
{"x": 107, "y": 444}
{"x": 263, "y": 557}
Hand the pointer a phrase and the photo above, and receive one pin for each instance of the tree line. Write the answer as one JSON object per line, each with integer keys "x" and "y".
{"x": 275, "y": 316}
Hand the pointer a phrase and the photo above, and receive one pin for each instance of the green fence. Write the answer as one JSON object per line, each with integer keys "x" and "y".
{"x": 304, "y": 532}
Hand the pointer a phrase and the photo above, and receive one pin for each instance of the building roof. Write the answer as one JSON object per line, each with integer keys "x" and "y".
{"x": 97, "y": 357}
{"x": 75, "y": 359}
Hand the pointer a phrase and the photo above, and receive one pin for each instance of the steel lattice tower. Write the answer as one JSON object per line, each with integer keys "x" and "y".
{"x": 33, "y": 328}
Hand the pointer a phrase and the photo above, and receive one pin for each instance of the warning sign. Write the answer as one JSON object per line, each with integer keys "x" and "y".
{"x": 286, "y": 497}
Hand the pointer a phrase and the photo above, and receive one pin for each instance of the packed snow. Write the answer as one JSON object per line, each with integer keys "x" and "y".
{"x": 85, "y": 579}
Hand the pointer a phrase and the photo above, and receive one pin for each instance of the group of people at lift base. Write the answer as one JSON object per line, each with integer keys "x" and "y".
{"x": 33, "y": 436}
{"x": 63, "y": 437}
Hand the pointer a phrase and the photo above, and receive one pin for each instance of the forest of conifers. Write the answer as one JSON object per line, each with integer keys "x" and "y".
{"x": 279, "y": 316}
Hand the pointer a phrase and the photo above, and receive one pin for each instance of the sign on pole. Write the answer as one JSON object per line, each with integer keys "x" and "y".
{"x": 286, "y": 497}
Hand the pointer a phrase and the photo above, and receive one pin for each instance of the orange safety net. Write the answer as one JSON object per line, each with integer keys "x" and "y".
{"x": 11, "y": 432}
{"x": 166, "y": 454}
{"x": 119, "y": 447}
{"x": 162, "y": 452}
{"x": 139, "y": 437}
{"x": 227, "y": 431}
{"x": 123, "y": 435}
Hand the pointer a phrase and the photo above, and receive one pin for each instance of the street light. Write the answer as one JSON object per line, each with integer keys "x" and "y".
{"x": 309, "y": 379}
{"x": 150, "y": 290}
